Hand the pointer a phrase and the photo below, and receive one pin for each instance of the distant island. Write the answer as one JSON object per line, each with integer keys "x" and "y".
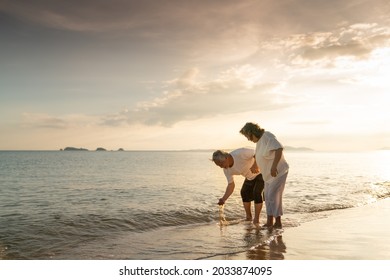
{"x": 74, "y": 149}
{"x": 100, "y": 149}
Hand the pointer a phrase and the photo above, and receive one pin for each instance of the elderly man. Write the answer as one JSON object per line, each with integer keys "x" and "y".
{"x": 242, "y": 162}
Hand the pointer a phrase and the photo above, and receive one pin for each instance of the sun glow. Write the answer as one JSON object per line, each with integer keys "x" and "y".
{"x": 370, "y": 72}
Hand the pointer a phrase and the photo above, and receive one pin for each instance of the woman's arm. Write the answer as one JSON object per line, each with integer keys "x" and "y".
{"x": 278, "y": 156}
{"x": 255, "y": 167}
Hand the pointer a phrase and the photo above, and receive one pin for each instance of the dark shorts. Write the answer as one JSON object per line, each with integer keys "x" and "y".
{"x": 253, "y": 190}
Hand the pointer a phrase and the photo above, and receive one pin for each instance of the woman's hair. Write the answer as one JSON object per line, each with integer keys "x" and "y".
{"x": 219, "y": 156}
{"x": 250, "y": 129}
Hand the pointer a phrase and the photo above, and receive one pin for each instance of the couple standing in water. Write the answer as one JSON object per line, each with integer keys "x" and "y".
{"x": 264, "y": 168}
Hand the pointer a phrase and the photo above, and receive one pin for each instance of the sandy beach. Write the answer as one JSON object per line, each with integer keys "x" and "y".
{"x": 360, "y": 233}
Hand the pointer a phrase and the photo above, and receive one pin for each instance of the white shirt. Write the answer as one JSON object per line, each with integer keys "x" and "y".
{"x": 265, "y": 154}
{"x": 243, "y": 161}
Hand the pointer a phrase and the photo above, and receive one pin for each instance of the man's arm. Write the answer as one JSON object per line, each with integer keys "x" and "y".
{"x": 229, "y": 190}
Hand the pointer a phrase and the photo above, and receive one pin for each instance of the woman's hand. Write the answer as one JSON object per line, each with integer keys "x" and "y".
{"x": 255, "y": 169}
{"x": 274, "y": 172}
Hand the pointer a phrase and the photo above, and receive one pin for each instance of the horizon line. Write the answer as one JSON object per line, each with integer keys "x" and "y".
{"x": 287, "y": 148}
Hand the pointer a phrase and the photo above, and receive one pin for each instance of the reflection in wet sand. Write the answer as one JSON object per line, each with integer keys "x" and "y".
{"x": 273, "y": 248}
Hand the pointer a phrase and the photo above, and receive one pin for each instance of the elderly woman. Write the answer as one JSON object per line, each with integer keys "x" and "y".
{"x": 274, "y": 168}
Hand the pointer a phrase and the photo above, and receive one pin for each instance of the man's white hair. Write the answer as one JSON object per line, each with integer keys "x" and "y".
{"x": 219, "y": 156}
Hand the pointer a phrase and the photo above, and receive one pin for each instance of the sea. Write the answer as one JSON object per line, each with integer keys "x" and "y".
{"x": 162, "y": 205}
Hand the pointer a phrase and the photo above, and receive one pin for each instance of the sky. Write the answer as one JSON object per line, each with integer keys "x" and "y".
{"x": 177, "y": 74}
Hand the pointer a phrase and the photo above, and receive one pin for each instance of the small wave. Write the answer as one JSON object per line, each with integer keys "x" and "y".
{"x": 317, "y": 208}
{"x": 381, "y": 190}
{"x": 373, "y": 192}
{"x": 187, "y": 216}
{"x": 97, "y": 224}
{"x": 329, "y": 207}
{"x": 63, "y": 230}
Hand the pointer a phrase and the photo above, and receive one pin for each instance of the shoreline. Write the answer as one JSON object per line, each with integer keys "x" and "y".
{"x": 359, "y": 233}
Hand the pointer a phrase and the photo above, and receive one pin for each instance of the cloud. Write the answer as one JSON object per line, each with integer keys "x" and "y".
{"x": 115, "y": 119}
{"x": 357, "y": 41}
{"x": 196, "y": 18}
{"x": 76, "y": 16}
{"x": 42, "y": 121}
{"x": 220, "y": 31}
{"x": 236, "y": 90}
{"x": 147, "y": 16}
{"x": 46, "y": 121}
{"x": 185, "y": 98}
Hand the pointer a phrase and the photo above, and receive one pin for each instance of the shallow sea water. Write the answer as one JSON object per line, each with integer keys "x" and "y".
{"x": 161, "y": 205}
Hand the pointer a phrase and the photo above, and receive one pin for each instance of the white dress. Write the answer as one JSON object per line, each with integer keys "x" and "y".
{"x": 273, "y": 186}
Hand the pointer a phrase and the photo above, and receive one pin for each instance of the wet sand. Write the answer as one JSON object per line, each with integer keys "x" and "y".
{"x": 361, "y": 233}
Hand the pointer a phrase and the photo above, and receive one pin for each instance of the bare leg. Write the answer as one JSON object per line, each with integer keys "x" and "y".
{"x": 247, "y": 207}
{"x": 258, "y": 207}
{"x": 270, "y": 221}
{"x": 278, "y": 222}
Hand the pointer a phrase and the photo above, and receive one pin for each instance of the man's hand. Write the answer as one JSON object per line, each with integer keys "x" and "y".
{"x": 221, "y": 202}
